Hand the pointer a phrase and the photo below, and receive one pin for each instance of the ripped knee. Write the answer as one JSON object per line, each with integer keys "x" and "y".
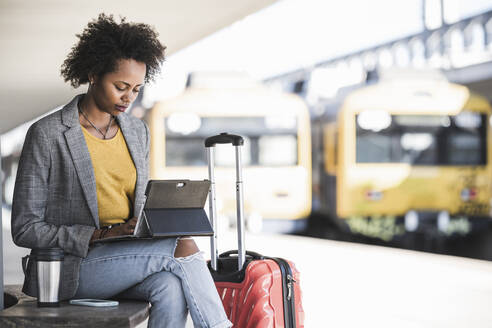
{"x": 186, "y": 247}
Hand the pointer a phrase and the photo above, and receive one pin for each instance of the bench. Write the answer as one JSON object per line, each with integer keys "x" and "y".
{"x": 22, "y": 311}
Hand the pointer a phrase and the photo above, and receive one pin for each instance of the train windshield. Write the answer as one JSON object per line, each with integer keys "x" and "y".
{"x": 269, "y": 141}
{"x": 421, "y": 139}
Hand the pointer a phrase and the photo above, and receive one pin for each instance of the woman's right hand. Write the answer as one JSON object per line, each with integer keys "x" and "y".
{"x": 126, "y": 228}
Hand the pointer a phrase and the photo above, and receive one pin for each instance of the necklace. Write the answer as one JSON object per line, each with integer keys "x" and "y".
{"x": 95, "y": 127}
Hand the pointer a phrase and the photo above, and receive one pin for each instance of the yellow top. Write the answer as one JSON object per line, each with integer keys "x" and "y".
{"x": 115, "y": 175}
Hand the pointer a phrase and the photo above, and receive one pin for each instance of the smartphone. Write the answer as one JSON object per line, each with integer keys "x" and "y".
{"x": 93, "y": 302}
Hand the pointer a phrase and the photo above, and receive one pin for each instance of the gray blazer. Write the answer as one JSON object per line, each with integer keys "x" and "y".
{"x": 55, "y": 200}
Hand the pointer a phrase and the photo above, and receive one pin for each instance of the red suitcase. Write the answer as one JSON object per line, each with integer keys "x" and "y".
{"x": 256, "y": 290}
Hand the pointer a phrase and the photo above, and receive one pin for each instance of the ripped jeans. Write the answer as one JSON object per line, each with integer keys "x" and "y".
{"x": 147, "y": 270}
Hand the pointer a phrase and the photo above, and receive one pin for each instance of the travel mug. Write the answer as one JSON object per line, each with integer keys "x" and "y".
{"x": 48, "y": 263}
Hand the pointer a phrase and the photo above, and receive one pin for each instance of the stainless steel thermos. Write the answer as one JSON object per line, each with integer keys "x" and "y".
{"x": 48, "y": 262}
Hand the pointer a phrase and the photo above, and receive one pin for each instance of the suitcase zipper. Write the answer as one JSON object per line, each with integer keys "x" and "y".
{"x": 288, "y": 292}
{"x": 290, "y": 285}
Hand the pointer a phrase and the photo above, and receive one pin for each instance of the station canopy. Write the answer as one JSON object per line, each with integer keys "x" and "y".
{"x": 36, "y": 36}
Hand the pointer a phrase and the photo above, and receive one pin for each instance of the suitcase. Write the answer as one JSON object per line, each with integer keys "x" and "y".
{"x": 256, "y": 290}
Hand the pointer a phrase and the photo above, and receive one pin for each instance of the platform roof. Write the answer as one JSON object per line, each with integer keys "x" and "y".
{"x": 35, "y": 37}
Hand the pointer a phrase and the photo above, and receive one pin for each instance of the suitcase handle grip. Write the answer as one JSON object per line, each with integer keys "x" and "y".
{"x": 224, "y": 138}
{"x": 254, "y": 255}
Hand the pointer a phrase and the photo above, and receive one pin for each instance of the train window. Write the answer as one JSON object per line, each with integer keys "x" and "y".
{"x": 374, "y": 148}
{"x": 277, "y": 150}
{"x": 418, "y": 148}
{"x": 225, "y": 155}
{"x": 185, "y": 152}
{"x": 464, "y": 149}
{"x": 268, "y": 141}
{"x": 425, "y": 140}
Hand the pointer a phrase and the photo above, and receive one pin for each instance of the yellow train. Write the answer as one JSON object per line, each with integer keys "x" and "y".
{"x": 406, "y": 154}
{"x": 276, "y": 154}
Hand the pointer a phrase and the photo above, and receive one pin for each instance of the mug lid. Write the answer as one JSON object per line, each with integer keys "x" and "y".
{"x": 48, "y": 254}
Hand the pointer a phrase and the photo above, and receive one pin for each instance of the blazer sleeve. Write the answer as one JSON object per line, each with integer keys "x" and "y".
{"x": 29, "y": 227}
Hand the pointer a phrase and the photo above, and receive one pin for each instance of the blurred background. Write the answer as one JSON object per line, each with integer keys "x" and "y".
{"x": 368, "y": 138}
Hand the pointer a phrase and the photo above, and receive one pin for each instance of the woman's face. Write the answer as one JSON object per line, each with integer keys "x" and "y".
{"x": 114, "y": 92}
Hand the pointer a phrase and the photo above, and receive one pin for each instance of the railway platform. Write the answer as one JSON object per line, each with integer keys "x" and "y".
{"x": 353, "y": 285}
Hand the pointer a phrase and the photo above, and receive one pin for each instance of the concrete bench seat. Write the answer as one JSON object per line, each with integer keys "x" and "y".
{"x": 25, "y": 313}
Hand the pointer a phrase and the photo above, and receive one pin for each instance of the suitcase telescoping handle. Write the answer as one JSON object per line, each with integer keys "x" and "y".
{"x": 237, "y": 142}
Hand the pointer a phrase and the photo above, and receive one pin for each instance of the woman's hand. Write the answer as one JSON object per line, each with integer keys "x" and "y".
{"x": 126, "y": 228}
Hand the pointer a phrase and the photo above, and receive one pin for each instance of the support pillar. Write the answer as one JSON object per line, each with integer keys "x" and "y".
{"x": 1, "y": 230}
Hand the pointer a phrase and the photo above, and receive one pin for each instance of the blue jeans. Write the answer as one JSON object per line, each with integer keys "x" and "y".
{"x": 147, "y": 270}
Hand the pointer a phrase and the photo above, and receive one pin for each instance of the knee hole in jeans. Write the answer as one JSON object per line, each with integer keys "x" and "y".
{"x": 185, "y": 247}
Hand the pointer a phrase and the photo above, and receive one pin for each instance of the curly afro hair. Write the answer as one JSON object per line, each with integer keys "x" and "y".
{"x": 103, "y": 42}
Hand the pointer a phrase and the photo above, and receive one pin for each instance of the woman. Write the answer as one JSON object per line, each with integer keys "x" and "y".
{"x": 82, "y": 175}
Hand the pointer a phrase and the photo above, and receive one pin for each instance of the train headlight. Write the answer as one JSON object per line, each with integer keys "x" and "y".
{"x": 468, "y": 194}
{"x": 411, "y": 221}
{"x": 443, "y": 220}
{"x": 183, "y": 123}
{"x": 375, "y": 120}
{"x": 374, "y": 195}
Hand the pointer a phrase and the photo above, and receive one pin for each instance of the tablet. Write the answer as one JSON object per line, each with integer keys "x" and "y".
{"x": 176, "y": 208}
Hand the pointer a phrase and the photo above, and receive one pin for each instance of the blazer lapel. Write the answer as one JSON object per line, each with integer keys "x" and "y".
{"x": 134, "y": 146}
{"x": 81, "y": 157}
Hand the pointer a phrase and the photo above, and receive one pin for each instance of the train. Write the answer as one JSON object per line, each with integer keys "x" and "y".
{"x": 396, "y": 155}
{"x": 276, "y": 155}
{"x": 404, "y": 154}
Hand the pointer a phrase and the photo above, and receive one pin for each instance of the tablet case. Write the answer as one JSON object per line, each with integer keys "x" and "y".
{"x": 176, "y": 208}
